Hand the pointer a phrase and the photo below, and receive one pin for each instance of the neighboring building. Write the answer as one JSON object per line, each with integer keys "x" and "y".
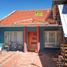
{"x": 60, "y": 8}
{"x": 30, "y": 30}
{"x": 56, "y": 12}
{"x": 56, "y": 15}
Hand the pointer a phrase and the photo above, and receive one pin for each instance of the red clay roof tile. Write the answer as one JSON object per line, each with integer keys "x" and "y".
{"x": 26, "y": 16}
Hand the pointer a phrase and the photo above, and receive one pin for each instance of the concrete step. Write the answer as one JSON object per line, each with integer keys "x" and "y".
{"x": 65, "y": 55}
{"x": 64, "y": 44}
{"x": 65, "y": 51}
{"x": 65, "y": 59}
{"x": 65, "y": 64}
{"x": 65, "y": 48}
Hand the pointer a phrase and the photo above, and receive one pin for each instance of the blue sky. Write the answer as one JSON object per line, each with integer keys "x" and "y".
{"x": 7, "y": 6}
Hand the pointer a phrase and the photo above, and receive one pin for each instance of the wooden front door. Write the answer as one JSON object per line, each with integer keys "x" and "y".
{"x": 32, "y": 41}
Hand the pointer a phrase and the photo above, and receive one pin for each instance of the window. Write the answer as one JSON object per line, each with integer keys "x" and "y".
{"x": 51, "y": 38}
{"x": 38, "y": 13}
{"x": 13, "y": 36}
{"x": 33, "y": 42}
{"x": 34, "y": 34}
{"x": 34, "y": 38}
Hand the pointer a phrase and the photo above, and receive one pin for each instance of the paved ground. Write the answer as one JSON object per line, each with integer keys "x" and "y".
{"x": 19, "y": 59}
{"x": 29, "y": 59}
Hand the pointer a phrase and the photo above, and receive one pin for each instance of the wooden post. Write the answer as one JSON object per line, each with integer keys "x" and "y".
{"x": 38, "y": 39}
{"x": 25, "y": 45}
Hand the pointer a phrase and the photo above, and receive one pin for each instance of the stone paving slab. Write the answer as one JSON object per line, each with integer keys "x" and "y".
{"x": 20, "y": 59}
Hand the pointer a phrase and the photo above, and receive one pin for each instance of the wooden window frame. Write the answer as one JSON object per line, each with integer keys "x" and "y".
{"x": 49, "y": 44}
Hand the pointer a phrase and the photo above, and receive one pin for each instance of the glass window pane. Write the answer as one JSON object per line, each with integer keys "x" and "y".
{"x": 52, "y": 37}
{"x": 46, "y": 38}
